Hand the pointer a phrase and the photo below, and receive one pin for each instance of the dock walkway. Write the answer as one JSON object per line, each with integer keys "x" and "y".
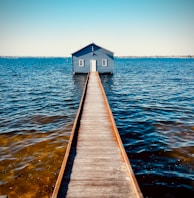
{"x": 97, "y": 165}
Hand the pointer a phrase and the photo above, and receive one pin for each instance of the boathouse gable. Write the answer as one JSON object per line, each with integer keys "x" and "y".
{"x": 92, "y": 58}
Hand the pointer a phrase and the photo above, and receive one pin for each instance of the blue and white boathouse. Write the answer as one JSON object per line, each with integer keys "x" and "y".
{"x": 92, "y": 58}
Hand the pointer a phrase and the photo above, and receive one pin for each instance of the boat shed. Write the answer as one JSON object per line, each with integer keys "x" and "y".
{"x": 92, "y": 58}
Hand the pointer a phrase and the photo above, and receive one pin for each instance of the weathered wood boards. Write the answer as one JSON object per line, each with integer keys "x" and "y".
{"x": 97, "y": 165}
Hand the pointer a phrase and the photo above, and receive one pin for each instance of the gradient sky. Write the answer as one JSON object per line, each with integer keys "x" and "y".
{"x": 126, "y": 27}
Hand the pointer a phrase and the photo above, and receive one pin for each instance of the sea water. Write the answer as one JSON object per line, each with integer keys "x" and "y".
{"x": 152, "y": 100}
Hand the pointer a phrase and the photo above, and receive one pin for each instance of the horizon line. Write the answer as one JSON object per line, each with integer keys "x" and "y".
{"x": 120, "y": 56}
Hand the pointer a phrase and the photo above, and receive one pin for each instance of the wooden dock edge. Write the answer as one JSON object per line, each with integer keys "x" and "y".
{"x": 75, "y": 128}
{"x": 68, "y": 149}
{"x": 123, "y": 152}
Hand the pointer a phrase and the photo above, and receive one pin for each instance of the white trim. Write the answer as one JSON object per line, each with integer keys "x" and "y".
{"x": 104, "y": 62}
{"x": 81, "y": 62}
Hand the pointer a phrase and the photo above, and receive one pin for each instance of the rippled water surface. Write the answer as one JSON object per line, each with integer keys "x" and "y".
{"x": 38, "y": 103}
{"x": 152, "y": 100}
{"x": 153, "y": 104}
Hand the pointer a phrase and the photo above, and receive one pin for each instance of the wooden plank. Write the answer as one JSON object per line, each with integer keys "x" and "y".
{"x": 75, "y": 125}
{"x": 97, "y": 164}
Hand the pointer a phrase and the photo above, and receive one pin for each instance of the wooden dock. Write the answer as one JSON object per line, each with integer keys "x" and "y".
{"x": 95, "y": 163}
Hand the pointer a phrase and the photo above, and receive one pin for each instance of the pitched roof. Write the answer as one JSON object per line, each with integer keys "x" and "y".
{"x": 91, "y": 44}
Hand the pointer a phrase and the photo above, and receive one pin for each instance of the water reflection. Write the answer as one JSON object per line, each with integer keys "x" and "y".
{"x": 78, "y": 82}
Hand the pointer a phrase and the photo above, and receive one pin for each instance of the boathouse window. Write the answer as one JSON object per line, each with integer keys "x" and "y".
{"x": 104, "y": 62}
{"x": 81, "y": 62}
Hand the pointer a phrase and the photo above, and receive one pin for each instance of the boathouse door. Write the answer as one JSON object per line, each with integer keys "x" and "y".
{"x": 93, "y": 65}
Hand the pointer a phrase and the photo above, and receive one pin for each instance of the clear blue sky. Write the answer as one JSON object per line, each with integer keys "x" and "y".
{"x": 126, "y": 27}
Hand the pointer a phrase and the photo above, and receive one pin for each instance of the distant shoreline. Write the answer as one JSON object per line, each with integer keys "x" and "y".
{"x": 185, "y": 56}
{"x": 188, "y": 56}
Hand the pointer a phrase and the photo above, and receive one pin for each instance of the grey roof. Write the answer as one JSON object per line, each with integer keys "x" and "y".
{"x": 91, "y": 44}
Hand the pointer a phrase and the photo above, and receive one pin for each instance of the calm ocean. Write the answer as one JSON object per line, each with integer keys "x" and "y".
{"x": 152, "y": 100}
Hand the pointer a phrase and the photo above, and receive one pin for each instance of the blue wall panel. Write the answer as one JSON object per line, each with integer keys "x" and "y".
{"x": 92, "y": 52}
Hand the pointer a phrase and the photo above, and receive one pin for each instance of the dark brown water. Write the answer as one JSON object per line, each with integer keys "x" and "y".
{"x": 153, "y": 104}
